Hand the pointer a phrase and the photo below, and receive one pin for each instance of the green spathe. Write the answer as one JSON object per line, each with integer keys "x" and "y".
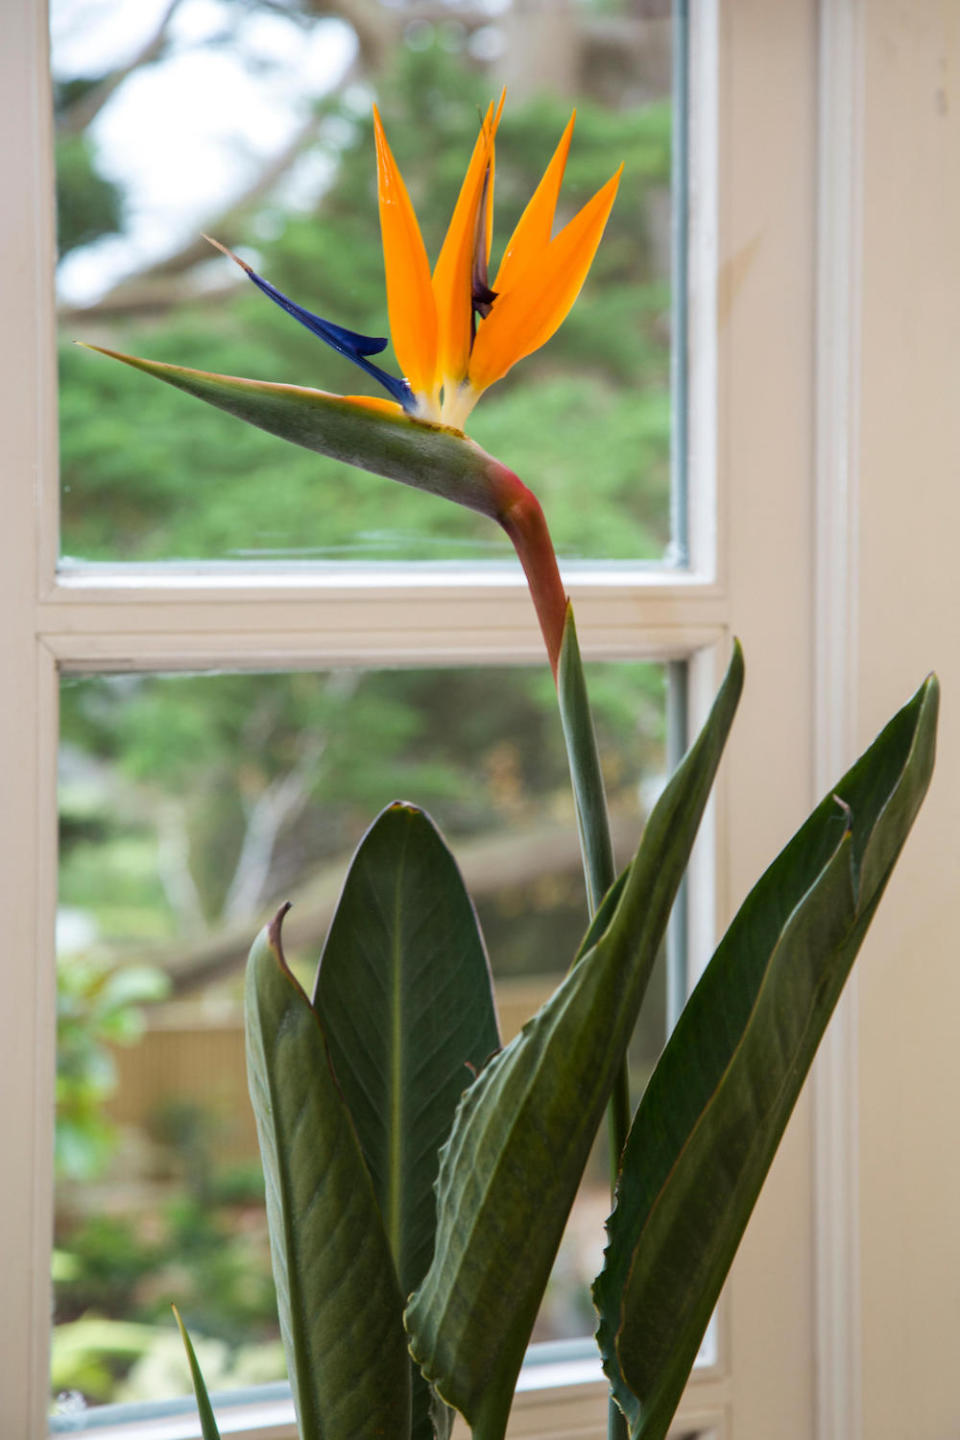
{"x": 426, "y": 456}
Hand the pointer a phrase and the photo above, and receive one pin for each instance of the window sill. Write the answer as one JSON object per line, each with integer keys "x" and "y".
{"x": 565, "y": 1372}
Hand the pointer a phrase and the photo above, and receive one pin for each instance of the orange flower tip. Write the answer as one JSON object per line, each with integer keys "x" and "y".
{"x": 225, "y": 250}
{"x": 482, "y": 297}
{"x": 374, "y": 402}
{"x": 490, "y": 122}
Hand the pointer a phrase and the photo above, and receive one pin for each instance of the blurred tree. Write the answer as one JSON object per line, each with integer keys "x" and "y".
{"x": 88, "y": 205}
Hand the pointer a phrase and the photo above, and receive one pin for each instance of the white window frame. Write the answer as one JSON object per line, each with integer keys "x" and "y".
{"x": 782, "y": 398}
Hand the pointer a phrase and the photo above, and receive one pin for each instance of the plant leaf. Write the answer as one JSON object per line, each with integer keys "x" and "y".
{"x": 337, "y": 1293}
{"x": 405, "y": 997}
{"x": 522, "y": 1134}
{"x": 208, "y": 1421}
{"x": 585, "y": 773}
{"x": 716, "y": 1106}
{"x": 372, "y": 434}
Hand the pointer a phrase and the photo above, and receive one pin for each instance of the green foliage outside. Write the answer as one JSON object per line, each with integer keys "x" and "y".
{"x": 98, "y": 1006}
{"x": 115, "y": 1275}
{"x": 170, "y": 784}
{"x": 147, "y": 475}
{"x": 88, "y": 205}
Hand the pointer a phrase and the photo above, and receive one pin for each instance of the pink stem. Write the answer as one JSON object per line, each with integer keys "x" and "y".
{"x": 518, "y": 511}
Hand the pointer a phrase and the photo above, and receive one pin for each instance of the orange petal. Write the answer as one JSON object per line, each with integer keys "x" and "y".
{"x": 535, "y": 226}
{"x": 452, "y": 275}
{"x": 525, "y": 317}
{"x": 410, "y": 302}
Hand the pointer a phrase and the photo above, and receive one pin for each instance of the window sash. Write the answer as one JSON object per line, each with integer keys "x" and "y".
{"x": 197, "y": 617}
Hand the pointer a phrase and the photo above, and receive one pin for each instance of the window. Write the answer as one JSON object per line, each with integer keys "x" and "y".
{"x": 243, "y": 619}
{"x": 777, "y": 250}
{"x": 148, "y": 866}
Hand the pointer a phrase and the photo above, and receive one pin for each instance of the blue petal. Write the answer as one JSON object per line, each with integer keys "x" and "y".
{"x": 348, "y": 342}
{"x": 354, "y": 346}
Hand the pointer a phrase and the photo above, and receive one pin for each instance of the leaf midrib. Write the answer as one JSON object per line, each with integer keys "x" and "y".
{"x": 394, "y": 1217}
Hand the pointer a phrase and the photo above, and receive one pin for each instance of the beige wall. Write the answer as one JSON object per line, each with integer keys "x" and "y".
{"x": 765, "y": 318}
{"x": 909, "y": 597}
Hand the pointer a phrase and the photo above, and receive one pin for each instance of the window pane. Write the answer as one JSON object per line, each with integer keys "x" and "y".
{"x": 190, "y": 807}
{"x": 253, "y": 123}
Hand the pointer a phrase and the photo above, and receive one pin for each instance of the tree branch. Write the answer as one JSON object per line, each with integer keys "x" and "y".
{"x": 277, "y": 805}
{"x": 173, "y": 867}
{"x": 488, "y": 864}
{"x": 158, "y": 286}
{"x": 85, "y": 109}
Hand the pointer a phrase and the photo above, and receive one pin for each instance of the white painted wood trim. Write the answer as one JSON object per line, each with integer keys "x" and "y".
{"x": 702, "y": 268}
{"x": 835, "y": 1083}
{"x": 103, "y": 615}
{"x": 28, "y": 724}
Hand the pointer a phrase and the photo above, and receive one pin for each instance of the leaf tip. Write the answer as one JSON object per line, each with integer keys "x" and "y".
{"x": 274, "y": 929}
{"x": 86, "y": 345}
{"x": 225, "y": 250}
{"x": 102, "y": 350}
{"x": 847, "y": 813}
{"x": 403, "y": 807}
{"x": 930, "y": 689}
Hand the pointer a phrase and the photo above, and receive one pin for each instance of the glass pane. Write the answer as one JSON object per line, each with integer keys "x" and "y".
{"x": 253, "y": 123}
{"x": 190, "y": 807}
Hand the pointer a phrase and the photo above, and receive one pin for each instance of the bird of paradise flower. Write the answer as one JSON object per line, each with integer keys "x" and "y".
{"x": 454, "y": 334}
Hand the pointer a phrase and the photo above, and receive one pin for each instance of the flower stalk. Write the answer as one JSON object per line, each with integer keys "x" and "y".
{"x": 520, "y": 514}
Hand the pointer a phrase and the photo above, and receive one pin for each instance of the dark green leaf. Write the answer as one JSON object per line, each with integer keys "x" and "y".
{"x": 428, "y": 457}
{"x": 405, "y": 998}
{"x": 208, "y": 1421}
{"x": 712, "y": 1116}
{"x": 522, "y": 1134}
{"x": 585, "y": 773}
{"x": 337, "y": 1292}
